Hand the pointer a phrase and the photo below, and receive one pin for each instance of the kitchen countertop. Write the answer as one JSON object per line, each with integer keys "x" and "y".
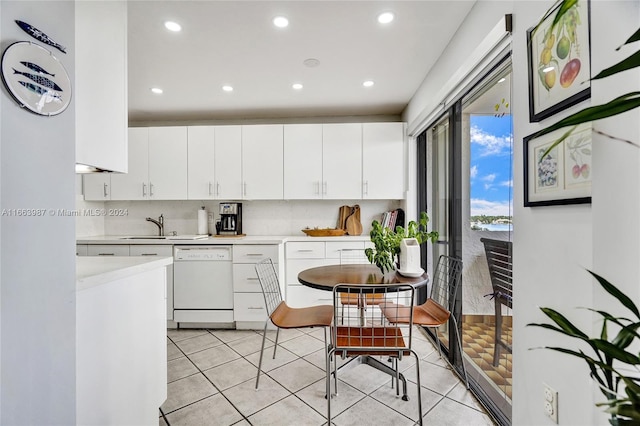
{"x": 93, "y": 271}
{"x": 249, "y": 239}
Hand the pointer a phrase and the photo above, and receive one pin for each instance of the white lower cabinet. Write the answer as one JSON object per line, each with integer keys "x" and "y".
{"x": 108, "y": 250}
{"x": 134, "y": 250}
{"x": 303, "y": 255}
{"x": 249, "y": 311}
{"x": 158, "y": 250}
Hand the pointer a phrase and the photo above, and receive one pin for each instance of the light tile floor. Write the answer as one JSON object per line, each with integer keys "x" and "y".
{"x": 211, "y": 375}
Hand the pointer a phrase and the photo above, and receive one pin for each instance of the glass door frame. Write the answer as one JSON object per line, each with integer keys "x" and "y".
{"x": 454, "y": 222}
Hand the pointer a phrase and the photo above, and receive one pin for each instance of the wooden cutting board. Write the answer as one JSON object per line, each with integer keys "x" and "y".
{"x": 343, "y": 214}
{"x": 354, "y": 227}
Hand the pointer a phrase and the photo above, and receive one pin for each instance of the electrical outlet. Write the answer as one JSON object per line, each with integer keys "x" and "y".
{"x": 210, "y": 217}
{"x": 550, "y": 403}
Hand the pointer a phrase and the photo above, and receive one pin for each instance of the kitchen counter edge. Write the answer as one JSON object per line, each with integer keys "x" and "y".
{"x": 92, "y": 271}
{"x": 256, "y": 239}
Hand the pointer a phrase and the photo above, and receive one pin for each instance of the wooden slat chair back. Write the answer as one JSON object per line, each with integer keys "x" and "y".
{"x": 500, "y": 262}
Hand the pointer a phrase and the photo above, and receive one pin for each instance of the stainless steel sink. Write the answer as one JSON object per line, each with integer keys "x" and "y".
{"x": 146, "y": 237}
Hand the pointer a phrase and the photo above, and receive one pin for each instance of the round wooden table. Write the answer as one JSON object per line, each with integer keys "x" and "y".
{"x": 327, "y": 277}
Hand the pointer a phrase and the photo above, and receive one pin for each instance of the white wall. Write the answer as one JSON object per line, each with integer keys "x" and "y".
{"x": 553, "y": 245}
{"x": 37, "y": 267}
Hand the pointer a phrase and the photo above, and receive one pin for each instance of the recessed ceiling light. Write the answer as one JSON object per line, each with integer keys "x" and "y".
{"x": 227, "y": 88}
{"x": 385, "y": 17}
{"x": 297, "y": 86}
{"x": 280, "y": 22}
{"x": 172, "y": 26}
{"x": 367, "y": 83}
{"x": 156, "y": 90}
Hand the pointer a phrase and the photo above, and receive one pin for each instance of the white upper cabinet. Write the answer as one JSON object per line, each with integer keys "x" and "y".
{"x": 215, "y": 162}
{"x": 168, "y": 163}
{"x": 383, "y": 161}
{"x": 228, "y": 162}
{"x": 100, "y": 91}
{"x": 337, "y": 161}
{"x": 134, "y": 185}
{"x": 262, "y": 162}
{"x": 157, "y": 165}
{"x": 342, "y": 161}
{"x": 200, "y": 162}
{"x": 96, "y": 186}
{"x": 303, "y": 161}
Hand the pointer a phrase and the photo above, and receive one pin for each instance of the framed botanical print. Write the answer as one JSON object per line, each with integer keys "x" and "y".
{"x": 559, "y": 62}
{"x": 562, "y": 175}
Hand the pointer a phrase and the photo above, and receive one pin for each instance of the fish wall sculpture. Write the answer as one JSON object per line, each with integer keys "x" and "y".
{"x": 39, "y": 35}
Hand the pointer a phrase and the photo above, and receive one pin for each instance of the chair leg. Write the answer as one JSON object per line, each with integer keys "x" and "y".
{"x": 435, "y": 333}
{"x": 328, "y": 372}
{"x": 419, "y": 387}
{"x": 264, "y": 336}
{"x": 276, "y": 345}
{"x": 497, "y": 334}
{"x": 464, "y": 370}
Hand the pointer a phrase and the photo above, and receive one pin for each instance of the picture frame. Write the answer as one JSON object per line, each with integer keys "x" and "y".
{"x": 559, "y": 62}
{"x": 563, "y": 176}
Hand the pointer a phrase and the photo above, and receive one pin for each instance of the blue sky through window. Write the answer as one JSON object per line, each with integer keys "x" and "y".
{"x": 491, "y": 174}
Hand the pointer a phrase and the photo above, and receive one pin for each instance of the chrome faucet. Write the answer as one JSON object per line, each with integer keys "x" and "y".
{"x": 159, "y": 223}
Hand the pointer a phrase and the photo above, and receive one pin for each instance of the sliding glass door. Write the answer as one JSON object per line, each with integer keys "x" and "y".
{"x": 469, "y": 157}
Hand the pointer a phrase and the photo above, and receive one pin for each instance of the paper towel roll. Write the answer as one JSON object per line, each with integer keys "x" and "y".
{"x": 203, "y": 227}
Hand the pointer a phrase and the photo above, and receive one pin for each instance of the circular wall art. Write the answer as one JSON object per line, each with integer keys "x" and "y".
{"x": 35, "y": 78}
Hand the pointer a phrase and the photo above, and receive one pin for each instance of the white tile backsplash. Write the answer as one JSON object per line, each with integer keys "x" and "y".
{"x": 259, "y": 217}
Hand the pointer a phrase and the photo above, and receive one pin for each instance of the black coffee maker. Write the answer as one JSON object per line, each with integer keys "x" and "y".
{"x": 230, "y": 219}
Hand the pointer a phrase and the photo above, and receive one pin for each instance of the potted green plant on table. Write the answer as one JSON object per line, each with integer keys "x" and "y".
{"x": 387, "y": 241}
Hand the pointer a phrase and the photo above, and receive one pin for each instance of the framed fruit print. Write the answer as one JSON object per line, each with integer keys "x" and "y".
{"x": 562, "y": 175}
{"x": 559, "y": 61}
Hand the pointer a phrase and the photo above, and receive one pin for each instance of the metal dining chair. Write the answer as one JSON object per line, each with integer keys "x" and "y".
{"x": 437, "y": 309}
{"x": 500, "y": 262}
{"x": 371, "y": 336}
{"x": 283, "y": 316}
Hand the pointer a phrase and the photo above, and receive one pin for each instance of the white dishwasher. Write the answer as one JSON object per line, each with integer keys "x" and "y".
{"x": 202, "y": 284}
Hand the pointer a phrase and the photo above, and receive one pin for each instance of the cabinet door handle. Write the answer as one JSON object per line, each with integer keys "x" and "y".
{"x": 254, "y": 308}
{"x": 144, "y": 189}
{"x": 365, "y": 188}
{"x": 252, "y": 279}
{"x": 106, "y": 254}
{"x": 209, "y": 188}
{"x": 150, "y": 189}
{"x": 304, "y": 250}
{"x": 318, "y": 188}
{"x": 254, "y": 254}
{"x": 324, "y": 188}
{"x": 148, "y": 254}
{"x": 105, "y": 186}
{"x": 244, "y": 189}
{"x": 217, "y": 188}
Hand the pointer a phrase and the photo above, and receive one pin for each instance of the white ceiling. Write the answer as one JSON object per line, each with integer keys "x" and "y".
{"x": 235, "y": 43}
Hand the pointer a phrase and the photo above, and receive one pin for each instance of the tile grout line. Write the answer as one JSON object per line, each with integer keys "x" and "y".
{"x": 205, "y": 376}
